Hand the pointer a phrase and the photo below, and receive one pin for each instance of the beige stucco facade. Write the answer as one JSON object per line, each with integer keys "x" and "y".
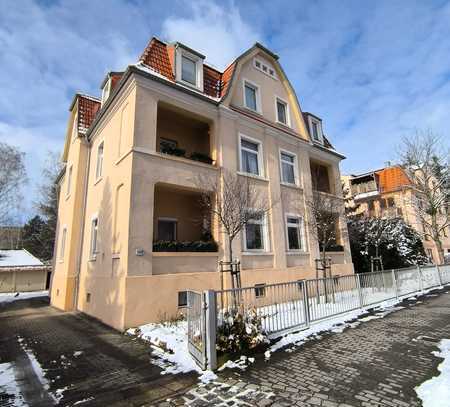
{"x": 125, "y": 283}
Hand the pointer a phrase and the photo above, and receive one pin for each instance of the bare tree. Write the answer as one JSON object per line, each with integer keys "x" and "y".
{"x": 12, "y": 178}
{"x": 234, "y": 201}
{"x": 419, "y": 155}
{"x": 324, "y": 213}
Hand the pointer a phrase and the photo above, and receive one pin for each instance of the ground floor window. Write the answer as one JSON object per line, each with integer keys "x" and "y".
{"x": 167, "y": 229}
{"x": 255, "y": 231}
{"x": 182, "y": 299}
{"x": 260, "y": 290}
{"x": 294, "y": 231}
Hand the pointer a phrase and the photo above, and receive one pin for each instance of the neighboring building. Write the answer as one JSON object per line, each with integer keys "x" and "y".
{"x": 387, "y": 192}
{"x": 11, "y": 237}
{"x": 21, "y": 271}
{"x": 131, "y": 164}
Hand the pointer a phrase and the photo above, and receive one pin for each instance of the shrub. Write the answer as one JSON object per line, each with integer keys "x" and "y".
{"x": 240, "y": 331}
{"x": 201, "y": 157}
{"x": 195, "y": 246}
{"x": 333, "y": 248}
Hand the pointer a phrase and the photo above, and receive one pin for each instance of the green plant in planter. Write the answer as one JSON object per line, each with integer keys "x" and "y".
{"x": 240, "y": 331}
{"x": 188, "y": 246}
{"x": 202, "y": 158}
{"x": 179, "y": 152}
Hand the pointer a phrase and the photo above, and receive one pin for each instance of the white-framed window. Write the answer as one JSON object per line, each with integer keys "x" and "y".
{"x": 255, "y": 235}
{"x": 182, "y": 299}
{"x": 316, "y": 130}
{"x": 167, "y": 229}
{"x": 106, "y": 90}
{"x": 189, "y": 68}
{"x": 94, "y": 237}
{"x": 69, "y": 180}
{"x": 250, "y": 156}
{"x": 288, "y": 167}
{"x": 63, "y": 243}
{"x": 282, "y": 111}
{"x": 252, "y": 97}
{"x": 295, "y": 233}
{"x": 99, "y": 167}
{"x": 264, "y": 68}
{"x": 260, "y": 290}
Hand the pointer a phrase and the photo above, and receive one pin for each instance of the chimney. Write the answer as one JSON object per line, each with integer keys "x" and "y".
{"x": 387, "y": 164}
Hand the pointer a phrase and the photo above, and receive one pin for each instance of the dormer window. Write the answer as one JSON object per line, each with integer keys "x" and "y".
{"x": 189, "y": 67}
{"x": 316, "y": 130}
{"x": 106, "y": 90}
{"x": 188, "y": 70}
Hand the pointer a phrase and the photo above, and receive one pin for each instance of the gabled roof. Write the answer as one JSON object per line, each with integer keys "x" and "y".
{"x": 392, "y": 179}
{"x": 17, "y": 258}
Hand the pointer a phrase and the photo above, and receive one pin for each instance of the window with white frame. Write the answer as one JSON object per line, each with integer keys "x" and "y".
{"x": 251, "y": 96}
{"x": 288, "y": 168}
{"x": 75, "y": 127}
{"x": 282, "y": 112}
{"x": 63, "y": 243}
{"x": 316, "y": 130}
{"x": 250, "y": 156}
{"x": 188, "y": 70}
{"x": 69, "y": 181}
{"x": 182, "y": 299}
{"x": 99, "y": 168}
{"x": 255, "y": 234}
{"x": 94, "y": 237}
{"x": 167, "y": 229}
{"x": 106, "y": 91}
{"x": 294, "y": 232}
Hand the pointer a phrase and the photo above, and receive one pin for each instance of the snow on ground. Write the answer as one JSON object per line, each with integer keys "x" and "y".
{"x": 9, "y": 385}
{"x": 436, "y": 391}
{"x": 169, "y": 343}
{"x": 10, "y": 297}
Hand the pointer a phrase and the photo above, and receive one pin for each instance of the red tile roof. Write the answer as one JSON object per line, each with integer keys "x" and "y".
{"x": 160, "y": 57}
{"x": 88, "y": 107}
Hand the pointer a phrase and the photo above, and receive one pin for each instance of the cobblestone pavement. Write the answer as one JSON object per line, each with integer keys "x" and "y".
{"x": 376, "y": 363}
{"x": 64, "y": 358}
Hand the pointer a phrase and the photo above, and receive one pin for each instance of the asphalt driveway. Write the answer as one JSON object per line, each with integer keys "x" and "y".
{"x": 60, "y": 358}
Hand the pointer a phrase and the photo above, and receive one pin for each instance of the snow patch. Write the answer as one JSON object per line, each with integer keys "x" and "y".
{"x": 9, "y": 385}
{"x": 10, "y": 297}
{"x": 436, "y": 391}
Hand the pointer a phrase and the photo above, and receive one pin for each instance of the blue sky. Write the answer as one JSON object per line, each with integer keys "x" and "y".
{"x": 373, "y": 70}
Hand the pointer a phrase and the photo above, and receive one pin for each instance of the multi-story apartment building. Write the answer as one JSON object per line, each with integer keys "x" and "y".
{"x": 132, "y": 159}
{"x": 387, "y": 192}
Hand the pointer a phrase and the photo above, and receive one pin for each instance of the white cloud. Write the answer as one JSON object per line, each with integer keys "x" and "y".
{"x": 218, "y": 32}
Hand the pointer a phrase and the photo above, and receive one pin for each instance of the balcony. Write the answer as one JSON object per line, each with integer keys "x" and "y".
{"x": 320, "y": 177}
{"x": 364, "y": 187}
{"x": 182, "y": 134}
{"x": 182, "y": 239}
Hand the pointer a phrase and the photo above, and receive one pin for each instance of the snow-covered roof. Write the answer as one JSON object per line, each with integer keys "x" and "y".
{"x": 16, "y": 258}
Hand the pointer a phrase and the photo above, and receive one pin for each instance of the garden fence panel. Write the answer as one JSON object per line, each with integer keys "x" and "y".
{"x": 430, "y": 277}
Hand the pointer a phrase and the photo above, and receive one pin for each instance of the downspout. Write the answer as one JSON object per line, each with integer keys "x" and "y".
{"x": 83, "y": 222}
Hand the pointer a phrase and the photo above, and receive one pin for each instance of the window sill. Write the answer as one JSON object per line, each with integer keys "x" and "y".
{"x": 248, "y": 109}
{"x": 285, "y": 125}
{"x": 92, "y": 258}
{"x": 115, "y": 256}
{"x": 98, "y": 180}
{"x": 256, "y": 253}
{"x": 297, "y": 253}
{"x": 258, "y": 177}
{"x": 294, "y": 186}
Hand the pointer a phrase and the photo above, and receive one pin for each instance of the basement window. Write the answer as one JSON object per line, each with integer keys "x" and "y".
{"x": 260, "y": 290}
{"x": 182, "y": 299}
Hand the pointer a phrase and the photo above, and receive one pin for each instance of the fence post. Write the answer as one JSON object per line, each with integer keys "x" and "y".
{"x": 306, "y": 304}
{"x": 358, "y": 285}
{"x": 211, "y": 329}
{"x": 438, "y": 269}
{"x": 420, "y": 278}
{"x": 394, "y": 283}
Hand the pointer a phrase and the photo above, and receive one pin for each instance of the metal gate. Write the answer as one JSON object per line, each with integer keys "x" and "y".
{"x": 196, "y": 321}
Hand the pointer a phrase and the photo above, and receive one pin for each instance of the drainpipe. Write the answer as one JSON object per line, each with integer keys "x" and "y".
{"x": 83, "y": 222}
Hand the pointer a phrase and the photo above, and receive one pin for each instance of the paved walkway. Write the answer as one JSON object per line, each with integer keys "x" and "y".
{"x": 376, "y": 363}
{"x": 83, "y": 360}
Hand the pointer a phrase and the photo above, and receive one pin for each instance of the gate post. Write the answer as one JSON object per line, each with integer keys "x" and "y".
{"x": 420, "y": 278}
{"x": 358, "y": 285}
{"x": 306, "y": 303}
{"x": 211, "y": 329}
{"x": 439, "y": 275}
{"x": 394, "y": 283}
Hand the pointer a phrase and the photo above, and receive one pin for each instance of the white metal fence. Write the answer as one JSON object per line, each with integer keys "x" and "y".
{"x": 291, "y": 306}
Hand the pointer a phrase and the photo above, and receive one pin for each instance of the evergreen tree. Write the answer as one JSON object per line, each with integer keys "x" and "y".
{"x": 33, "y": 238}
